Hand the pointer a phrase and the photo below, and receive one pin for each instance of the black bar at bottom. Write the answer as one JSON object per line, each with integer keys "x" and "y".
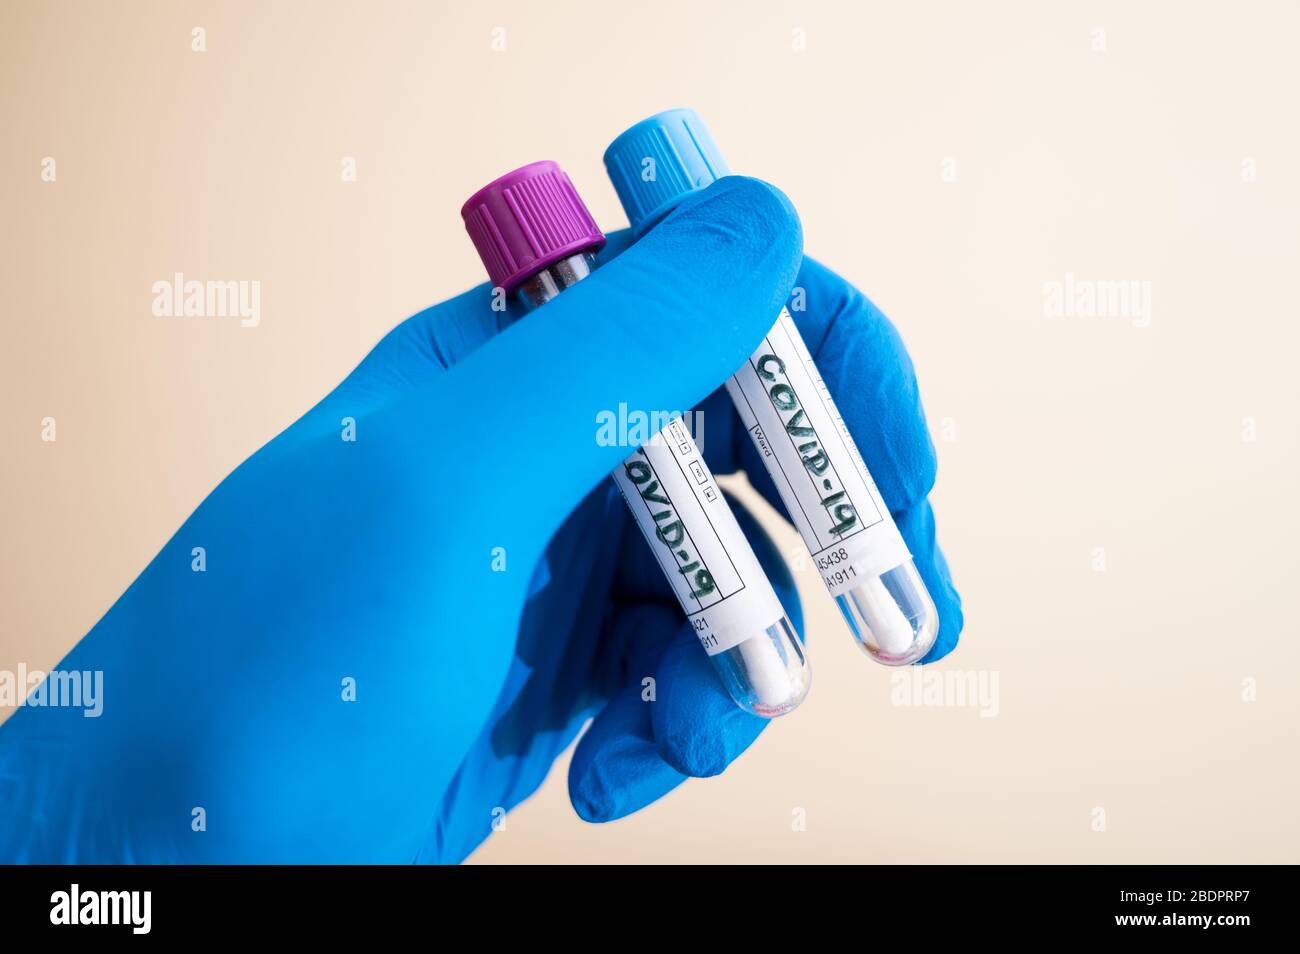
{"x": 1226, "y": 903}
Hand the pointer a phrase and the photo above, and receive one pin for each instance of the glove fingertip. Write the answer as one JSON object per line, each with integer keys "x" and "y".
{"x": 620, "y": 783}
{"x": 947, "y": 602}
{"x": 589, "y": 805}
{"x": 616, "y": 769}
{"x": 698, "y": 728}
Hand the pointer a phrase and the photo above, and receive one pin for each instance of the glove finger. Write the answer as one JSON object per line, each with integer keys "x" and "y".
{"x": 616, "y": 767}
{"x": 916, "y": 524}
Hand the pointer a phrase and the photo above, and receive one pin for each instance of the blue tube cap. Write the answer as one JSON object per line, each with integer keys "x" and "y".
{"x": 660, "y": 161}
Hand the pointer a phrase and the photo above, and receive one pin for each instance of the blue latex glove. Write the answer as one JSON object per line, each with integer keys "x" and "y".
{"x": 374, "y": 563}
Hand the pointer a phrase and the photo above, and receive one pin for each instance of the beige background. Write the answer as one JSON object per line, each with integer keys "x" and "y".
{"x": 1120, "y": 690}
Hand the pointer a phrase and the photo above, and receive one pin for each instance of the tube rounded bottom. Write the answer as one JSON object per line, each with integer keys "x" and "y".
{"x": 892, "y": 616}
{"x": 768, "y": 674}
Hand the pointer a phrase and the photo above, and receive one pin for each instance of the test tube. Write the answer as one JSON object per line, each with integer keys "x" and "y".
{"x": 536, "y": 238}
{"x": 784, "y": 404}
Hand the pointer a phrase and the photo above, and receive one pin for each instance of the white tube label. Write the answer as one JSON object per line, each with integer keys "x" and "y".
{"x": 830, "y": 496}
{"x": 696, "y": 539}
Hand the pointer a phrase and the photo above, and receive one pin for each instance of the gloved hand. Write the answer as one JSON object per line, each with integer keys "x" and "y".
{"x": 393, "y": 637}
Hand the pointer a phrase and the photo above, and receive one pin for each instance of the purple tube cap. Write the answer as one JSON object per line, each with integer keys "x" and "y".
{"x": 526, "y": 221}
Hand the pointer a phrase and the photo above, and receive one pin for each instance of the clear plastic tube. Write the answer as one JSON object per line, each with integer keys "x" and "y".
{"x": 701, "y": 548}
{"x": 892, "y": 616}
{"x": 830, "y": 496}
{"x": 766, "y": 674}
{"x": 785, "y": 406}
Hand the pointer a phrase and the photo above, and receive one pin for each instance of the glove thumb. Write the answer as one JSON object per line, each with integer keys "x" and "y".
{"x": 656, "y": 329}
